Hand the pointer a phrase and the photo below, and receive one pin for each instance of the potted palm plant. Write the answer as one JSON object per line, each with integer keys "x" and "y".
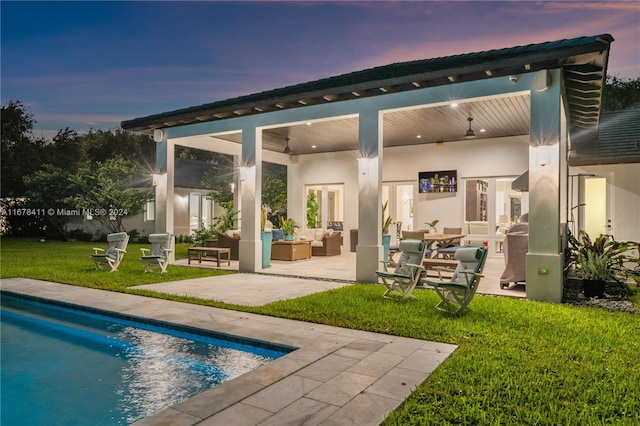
{"x": 386, "y": 238}
{"x": 266, "y": 236}
{"x": 432, "y": 226}
{"x": 595, "y": 270}
{"x": 288, "y": 227}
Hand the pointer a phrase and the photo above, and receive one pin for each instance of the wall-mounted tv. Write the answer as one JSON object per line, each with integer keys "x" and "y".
{"x": 440, "y": 181}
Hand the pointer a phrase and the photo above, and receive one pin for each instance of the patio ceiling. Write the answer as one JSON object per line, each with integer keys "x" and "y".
{"x": 498, "y": 117}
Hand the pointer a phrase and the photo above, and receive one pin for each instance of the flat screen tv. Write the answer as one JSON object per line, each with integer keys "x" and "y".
{"x": 440, "y": 181}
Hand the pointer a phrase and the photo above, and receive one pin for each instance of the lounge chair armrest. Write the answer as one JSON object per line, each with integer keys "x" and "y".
{"x": 470, "y": 275}
{"x": 440, "y": 270}
{"x": 413, "y": 265}
{"x": 145, "y": 251}
{"x": 119, "y": 250}
{"x": 167, "y": 251}
{"x": 443, "y": 268}
{"x": 385, "y": 263}
{"x": 96, "y": 250}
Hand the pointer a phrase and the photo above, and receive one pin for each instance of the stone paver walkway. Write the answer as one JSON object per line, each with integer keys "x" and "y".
{"x": 336, "y": 376}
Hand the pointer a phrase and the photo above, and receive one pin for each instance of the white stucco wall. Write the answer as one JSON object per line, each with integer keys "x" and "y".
{"x": 471, "y": 158}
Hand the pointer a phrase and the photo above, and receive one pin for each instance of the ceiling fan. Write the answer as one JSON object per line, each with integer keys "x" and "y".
{"x": 470, "y": 133}
{"x": 287, "y": 150}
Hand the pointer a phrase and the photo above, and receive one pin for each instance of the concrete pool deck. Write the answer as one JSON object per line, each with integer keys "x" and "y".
{"x": 337, "y": 376}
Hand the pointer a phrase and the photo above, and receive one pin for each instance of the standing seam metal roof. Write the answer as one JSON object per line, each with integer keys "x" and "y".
{"x": 568, "y": 53}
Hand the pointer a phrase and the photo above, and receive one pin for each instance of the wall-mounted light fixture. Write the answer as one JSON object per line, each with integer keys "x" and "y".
{"x": 158, "y": 135}
{"x": 243, "y": 172}
{"x": 542, "y": 155}
{"x": 364, "y": 165}
{"x": 158, "y": 178}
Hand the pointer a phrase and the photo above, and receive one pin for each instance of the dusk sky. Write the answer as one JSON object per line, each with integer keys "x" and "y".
{"x": 93, "y": 64}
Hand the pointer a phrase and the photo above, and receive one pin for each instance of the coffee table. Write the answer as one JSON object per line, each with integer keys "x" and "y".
{"x": 291, "y": 250}
{"x": 221, "y": 253}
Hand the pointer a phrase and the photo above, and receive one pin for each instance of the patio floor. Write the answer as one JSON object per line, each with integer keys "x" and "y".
{"x": 343, "y": 268}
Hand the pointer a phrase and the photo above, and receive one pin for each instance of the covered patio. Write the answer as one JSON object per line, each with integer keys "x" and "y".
{"x": 385, "y": 124}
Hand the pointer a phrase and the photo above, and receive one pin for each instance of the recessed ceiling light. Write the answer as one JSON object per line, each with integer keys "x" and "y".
{"x": 483, "y": 130}
{"x": 418, "y": 136}
{"x": 313, "y": 146}
{"x": 308, "y": 123}
{"x": 454, "y": 105}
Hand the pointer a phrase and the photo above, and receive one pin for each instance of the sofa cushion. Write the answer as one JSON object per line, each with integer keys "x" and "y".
{"x": 326, "y": 234}
{"x": 278, "y": 234}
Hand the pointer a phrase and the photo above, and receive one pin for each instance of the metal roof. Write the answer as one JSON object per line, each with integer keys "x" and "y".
{"x": 583, "y": 59}
{"x": 618, "y": 141}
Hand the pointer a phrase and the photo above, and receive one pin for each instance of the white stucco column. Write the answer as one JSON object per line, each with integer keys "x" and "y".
{"x": 544, "y": 259}
{"x": 369, "y": 250}
{"x": 164, "y": 186}
{"x": 250, "y": 182}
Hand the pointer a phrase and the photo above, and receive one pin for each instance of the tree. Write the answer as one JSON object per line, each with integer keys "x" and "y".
{"x": 219, "y": 178}
{"x": 619, "y": 94}
{"x": 66, "y": 150}
{"x": 50, "y": 192}
{"x": 21, "y": 153}
{"x": 105, "y": 188}
{"x": 103, "y": 145}
{"x": 274, "y": 188}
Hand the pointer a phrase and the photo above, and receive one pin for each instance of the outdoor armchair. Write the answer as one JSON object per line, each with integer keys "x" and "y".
{"x": 158, "y": 255}
{"x": 404, "y": 278}
{"x": 112, "y": 255}
{"x": 456, "y": 292}
{"x": 330, "y": 245}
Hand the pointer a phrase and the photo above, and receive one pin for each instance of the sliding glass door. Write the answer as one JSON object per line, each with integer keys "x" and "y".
{"x": 491, "y": 207}
{"x": 330, "y": 200}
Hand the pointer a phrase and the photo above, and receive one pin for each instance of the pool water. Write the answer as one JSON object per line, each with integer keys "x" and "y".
{"x": 62, "y": 366}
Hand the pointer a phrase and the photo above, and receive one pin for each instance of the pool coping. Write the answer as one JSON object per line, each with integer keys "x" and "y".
{"x": 337, "y": 376}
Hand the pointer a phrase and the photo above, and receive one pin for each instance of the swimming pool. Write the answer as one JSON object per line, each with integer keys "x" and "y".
{"x": 69, "y": 366}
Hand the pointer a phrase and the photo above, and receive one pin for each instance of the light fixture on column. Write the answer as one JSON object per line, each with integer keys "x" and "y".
{"x": 364, "y": 164}
{"x": 542, "y": 155}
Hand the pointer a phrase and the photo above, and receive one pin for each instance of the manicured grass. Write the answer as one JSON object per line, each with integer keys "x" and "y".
{"x": 70, "y": 263}
{"x": 518, "y": 362}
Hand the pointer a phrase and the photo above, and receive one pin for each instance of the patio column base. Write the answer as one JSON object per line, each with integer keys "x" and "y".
{"x": 544, "y": 277}
{"x": 367, "y": 263}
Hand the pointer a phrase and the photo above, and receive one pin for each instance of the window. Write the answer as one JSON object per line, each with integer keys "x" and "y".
{"x": 150, "y": 211}
{"x": 200, "y": 211}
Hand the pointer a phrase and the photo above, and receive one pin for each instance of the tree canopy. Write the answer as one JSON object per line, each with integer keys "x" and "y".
{"x": 69, "y": 172}
{"x": 620, "y": 94}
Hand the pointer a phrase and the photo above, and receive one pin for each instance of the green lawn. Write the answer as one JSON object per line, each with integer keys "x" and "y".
{"x": 518, "y": 362}
{"x": 70, "y": 263}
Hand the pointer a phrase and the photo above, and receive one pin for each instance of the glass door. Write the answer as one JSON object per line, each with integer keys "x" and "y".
{"x": 400, "y": 198}
{"x": 596, "y": 215}
{"x": 491, "y": 208}
{"x": 330, "y": 200}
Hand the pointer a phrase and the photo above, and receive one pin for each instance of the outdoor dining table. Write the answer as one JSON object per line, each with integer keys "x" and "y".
{"x": 442, "y": 240}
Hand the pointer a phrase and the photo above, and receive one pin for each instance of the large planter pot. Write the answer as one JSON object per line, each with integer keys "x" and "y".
{"x": 386, "y": 242}
{"x": 593, "y": 288}
{"x": 266, "y": 238}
